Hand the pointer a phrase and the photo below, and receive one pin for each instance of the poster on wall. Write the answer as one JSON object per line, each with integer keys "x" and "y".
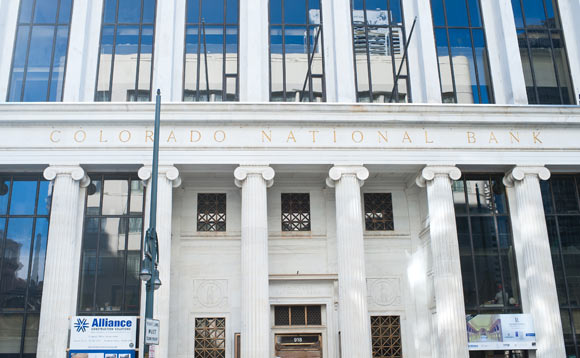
{"x": 500, "y": 332}
{"x": 101, "y": 354}
{"x": 103, "y": 333}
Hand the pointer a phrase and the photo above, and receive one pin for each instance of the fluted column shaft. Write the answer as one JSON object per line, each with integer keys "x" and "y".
{"x": 255, "y": 332}
{"x": 537, "y": 260}
{"x": 353, "y": 314}
{"x": 168, "y": 179}
{"x": 450, "y": 305}
{"x": 60, "y": 288}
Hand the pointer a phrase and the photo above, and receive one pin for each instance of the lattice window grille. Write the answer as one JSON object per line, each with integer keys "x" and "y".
{"x": 378, "y": 212}
{"x": 386, "y": 337}
{"x": 296, "y": 212}
{"x": 211, "y": 212}
{"x": 210, "y": 338}
{"x": 297, "y": 316}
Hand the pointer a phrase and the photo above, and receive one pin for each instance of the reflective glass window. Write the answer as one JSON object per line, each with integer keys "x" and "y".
{"x": 543, "y": 52}
{"x": 126, "y": 51}
{"x": 462, "y": 57}
{"x": 40, "y": 51}
{"x": 561, "y": 193}
{"x": 379, "y": 39}
{"x": 23, "y": 238}
{"x": 296, "y": 51}
{"x": 487, "y": 256}
{"x": 111, "y": 253}
{"x": 211, "y": 51}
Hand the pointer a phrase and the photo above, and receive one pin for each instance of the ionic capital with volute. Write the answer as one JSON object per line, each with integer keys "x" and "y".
{"x": 336, "y": 172}
{"x": 243, "y": 171}
{"x": 431, "y": 171}
{"x": 74, "y": 171}
{"x": 518, "y": 173}
{"x": 169, "y": 171}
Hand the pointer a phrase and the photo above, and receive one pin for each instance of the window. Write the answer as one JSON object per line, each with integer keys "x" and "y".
{"x": 40, "y": 51}
{"x": 296, "y": 212}
{"x": 543, "y": 52}
{"x": 24, "y": 220}
{"x": 379, "y": 42}
{"x": 111, "y": 253}
{"x": 461, "y": 51}
{"x": 211, "y": 51}
{"x": 210, "y": 338}
{"x": 126, "y": 51}
{"x": 297, "y": 316}
{"x": 488, "y": 262}
{"x": 386, "y": 336}
{"x": 378, "y": 212}
{"x": 562, "y": 208}
{"x": 211, "y": 212}
{"x": 296, "y": 51}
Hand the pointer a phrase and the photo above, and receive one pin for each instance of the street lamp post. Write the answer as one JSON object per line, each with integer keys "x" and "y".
{"x": 149, "y": 272}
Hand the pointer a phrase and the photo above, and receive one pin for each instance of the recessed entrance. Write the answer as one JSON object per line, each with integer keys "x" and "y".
{"x": 298, "y": 345}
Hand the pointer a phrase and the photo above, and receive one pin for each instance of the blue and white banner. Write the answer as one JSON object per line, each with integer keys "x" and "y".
{"x": 103, "y": 333}
{"x": 500, "y": 332}
{"x": 101, "y": 354}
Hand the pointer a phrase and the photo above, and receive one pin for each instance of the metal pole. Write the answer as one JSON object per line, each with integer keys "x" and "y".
{"x": 151, "y": 244}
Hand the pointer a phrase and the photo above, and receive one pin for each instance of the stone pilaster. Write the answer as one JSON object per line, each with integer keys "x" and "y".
{"x": 60, "y": 287}
{"x": 353, "y": 314}
{"x": 537, "y": 260}
{"x": 168, "y": 179}
{"x": 255, "y": 333}
{"x": 254, "y": 45}
{"x": 450, "y": 305}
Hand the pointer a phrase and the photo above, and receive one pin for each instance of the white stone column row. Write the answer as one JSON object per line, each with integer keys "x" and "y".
{"x": 8, "y": 21}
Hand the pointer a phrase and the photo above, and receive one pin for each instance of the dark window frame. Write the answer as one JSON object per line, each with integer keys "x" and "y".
{"x": 381, "y": 336}
{"x": 307, "y": 310}
{"x": 25, "y": 312}
{"x": 388, "y": 216}
{"x": 108, "y": 94}
{"x": 206, "y": 352}
{"x": 395, "y": 95}
{"x": 294, "y": 219}
{"x": 311, "y": 52}
{"x": 470, "y": 27}
{"x": 31, "y": 25}
{"x": 219, "y": 224}
{"x": 198, "y": 95}
{"x": 103, "y": 177}
{"x": 556, "y": 28}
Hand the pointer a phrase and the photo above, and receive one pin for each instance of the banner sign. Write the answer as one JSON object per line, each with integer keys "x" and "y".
{"x": 152, "y": 331}
{"x": 103, "y": 333}
{"x": 101, "y": 354}
{"x": 500, "y": 332}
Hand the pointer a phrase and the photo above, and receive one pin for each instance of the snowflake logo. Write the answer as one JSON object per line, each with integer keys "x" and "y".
{"x": 81, "y": 325}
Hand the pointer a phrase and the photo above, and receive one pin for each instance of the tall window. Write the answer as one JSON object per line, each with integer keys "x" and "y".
{"x": 543, "y": 52}
{"x": 562, "y": 208}
{"x": 296, "y": 51}
{"x": 126, "y": 52}
{"x": 24, "y": 218}
{"x": 111, "y": 253}
{"x": 296, "y": 212}
{"x": 488, "y": 262}
{"x": 211, "y": 212}
{"x": 211, "y": 51}
{"x": 461, "y": 52}
{"x": 378, "y": 211}
{"x": 210, "y": 337}
{"x": 386, "y": 336}
{"x": 40, "y": 50}
{"x": 379, "y": 44}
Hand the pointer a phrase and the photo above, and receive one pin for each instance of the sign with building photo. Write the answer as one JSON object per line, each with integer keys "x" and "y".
{"x": 103, "y": 333}
{"x": 500, "y": 332}
{"x": 101, "y": 354}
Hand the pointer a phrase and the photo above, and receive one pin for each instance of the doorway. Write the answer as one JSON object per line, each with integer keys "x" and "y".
{"x": 305, "y": 345}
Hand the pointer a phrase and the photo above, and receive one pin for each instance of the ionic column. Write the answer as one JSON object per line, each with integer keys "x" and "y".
{"x": 353, "y": 313}
{"x": 450, "y": 305}
{"x": 537, "y": 260}
{"x": 59, "y": 294}
{"x": 254, "y": 45}
{"x": 168, "y": 179}
{"x": 255, "y": 333}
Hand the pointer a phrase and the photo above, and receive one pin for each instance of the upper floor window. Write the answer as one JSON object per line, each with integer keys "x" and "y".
{"x": 126, "y": 51}
{"x": 379, "y": 42}
{"x": 378, "y": 212}
{"x": 296, "y": 212}
{"x": 211, "y": 51}
{"x": 40, "y": 51}
{"x": 296, "y": 51}
{"x": 543, "y": 52}
{"x": 211, "y": 212}
{"x": 488, "y": 261}
{"x": 461, "y": 52}
{"x": 111, "y": 249}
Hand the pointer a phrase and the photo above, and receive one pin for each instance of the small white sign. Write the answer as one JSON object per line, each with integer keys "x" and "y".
{"x": 103, "y": 332}
{"x": 151, "y": 331}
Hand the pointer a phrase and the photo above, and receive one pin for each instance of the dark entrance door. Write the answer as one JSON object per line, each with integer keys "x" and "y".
{"x": 298, "y": 345}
